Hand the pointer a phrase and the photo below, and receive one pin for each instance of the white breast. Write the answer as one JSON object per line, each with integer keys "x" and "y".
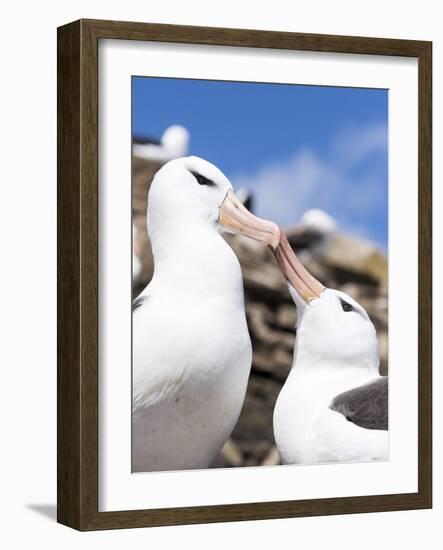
{"x": 191, "y": 361}
{"x": 307, "y": 431}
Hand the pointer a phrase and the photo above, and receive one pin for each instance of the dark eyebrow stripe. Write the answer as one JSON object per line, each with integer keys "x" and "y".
{"x": 202, "y": 180}
{"x": 357, "y": 310}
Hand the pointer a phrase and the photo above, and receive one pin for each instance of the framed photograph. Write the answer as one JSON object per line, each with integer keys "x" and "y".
{"x": 244, "y": 274}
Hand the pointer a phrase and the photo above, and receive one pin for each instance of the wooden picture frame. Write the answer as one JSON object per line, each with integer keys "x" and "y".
{"x": 77, "y": 457}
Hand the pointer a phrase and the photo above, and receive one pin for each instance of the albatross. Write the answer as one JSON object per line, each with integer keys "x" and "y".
{"x": 334, "y": 404}
{"x": 191, "y": 345}
{"x": 174, "y": 143}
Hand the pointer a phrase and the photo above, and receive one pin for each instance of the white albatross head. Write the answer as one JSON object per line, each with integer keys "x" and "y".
{"x": 331, "y": 326}
{"x": 190, "y": 193}
{"x": 175, "y": 140}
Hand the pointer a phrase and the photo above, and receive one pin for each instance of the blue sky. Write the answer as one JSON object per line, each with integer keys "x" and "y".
{"x": 296, "y": 147}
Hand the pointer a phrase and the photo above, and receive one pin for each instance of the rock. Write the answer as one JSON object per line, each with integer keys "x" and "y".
{"x": 232, "y": 454}
{"x": 143, "y": 172}
{"x": 286, "y": 317}
{"x": 352, "y": 255}
{"x": 272, "y": 458}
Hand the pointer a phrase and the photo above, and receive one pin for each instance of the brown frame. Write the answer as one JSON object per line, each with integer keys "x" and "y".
{"x": 77, "y": 455}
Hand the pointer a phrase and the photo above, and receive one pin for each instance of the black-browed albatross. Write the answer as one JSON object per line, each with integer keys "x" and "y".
{"x": 191, "y": 346}
{"x": 334, "y": 404}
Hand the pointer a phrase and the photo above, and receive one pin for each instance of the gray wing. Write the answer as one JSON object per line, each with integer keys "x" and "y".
{"x": 365, "y": 406}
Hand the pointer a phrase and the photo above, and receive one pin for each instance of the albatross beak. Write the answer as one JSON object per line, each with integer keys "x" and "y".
{"x": 306, "y": 285}
{"x": 234, "y": 216}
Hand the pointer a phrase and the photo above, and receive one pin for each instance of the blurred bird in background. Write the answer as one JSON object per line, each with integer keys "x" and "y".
{"x": 136, "y": 256}
{"x": 174, "y": 143}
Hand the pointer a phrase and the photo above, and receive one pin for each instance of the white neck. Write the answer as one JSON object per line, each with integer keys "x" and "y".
{"x": 307, "y": 362}
{"x": 195, "y": 258}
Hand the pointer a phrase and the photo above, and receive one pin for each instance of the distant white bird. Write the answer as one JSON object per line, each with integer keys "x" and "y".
{"x": 191, "y": 346}
{"x": 314, "y": 233}
{"x": 136, "y": 252}
{"x": 334, "y": 404}
{"x": 173, "y": 144}
{"x": 317, "y": 220}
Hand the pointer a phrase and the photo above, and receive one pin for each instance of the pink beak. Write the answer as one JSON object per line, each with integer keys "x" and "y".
{"x": 297, "y": 275}
{"x": 234, "y": 216}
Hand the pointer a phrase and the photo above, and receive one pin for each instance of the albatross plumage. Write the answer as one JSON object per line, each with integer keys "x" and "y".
{"x": 334, "y": 404}
{"x": 191, "y": 346}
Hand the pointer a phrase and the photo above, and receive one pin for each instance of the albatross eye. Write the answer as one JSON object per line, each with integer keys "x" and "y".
{"x": 345, "y": 306}
{"x": 202, "y": 180}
